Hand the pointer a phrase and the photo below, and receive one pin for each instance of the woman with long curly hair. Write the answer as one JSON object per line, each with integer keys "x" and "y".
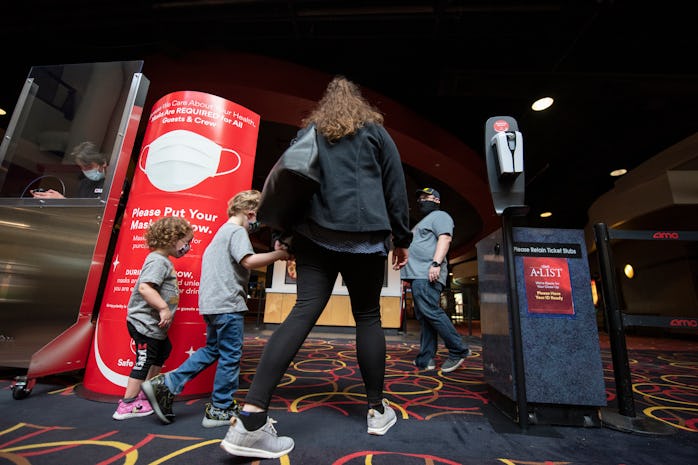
{"x": 359, "y": 209}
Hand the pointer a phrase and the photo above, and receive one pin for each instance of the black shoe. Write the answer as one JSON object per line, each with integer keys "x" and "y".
{"x": 160, "y": 397}
{"x": 214, "y": 416}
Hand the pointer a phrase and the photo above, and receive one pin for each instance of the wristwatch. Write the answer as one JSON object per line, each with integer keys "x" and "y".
{"x": 436, "y": 264}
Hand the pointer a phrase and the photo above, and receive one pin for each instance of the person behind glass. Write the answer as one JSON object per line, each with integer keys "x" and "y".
{"x": 361, "y": 203}
{"x": 151, "y": 308}
{"x": 93, "y": 165}
{"x": 427, "y": 272}
{"x": 225, "y": 275}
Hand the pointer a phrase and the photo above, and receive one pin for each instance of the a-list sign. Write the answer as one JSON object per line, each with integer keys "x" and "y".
{"x": 548, "y": 286}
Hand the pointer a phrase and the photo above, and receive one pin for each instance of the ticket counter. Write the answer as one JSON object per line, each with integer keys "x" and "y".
{"x": 281, "y": 297}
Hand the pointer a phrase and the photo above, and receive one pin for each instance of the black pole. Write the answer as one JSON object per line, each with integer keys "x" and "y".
{"x": 470, "y": 311}
{"x": 403, "y": 308}
{"x": 515, "y": 316}
{"x": 614, "y": 321}
{"x": 261, "y": 304}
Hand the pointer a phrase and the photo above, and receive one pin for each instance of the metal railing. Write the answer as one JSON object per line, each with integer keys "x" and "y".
{"x": 617, "y": 322}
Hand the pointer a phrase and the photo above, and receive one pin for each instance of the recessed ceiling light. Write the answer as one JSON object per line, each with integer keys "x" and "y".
{"x": 2, "y": 112}
{"x": 546, "y": 214}
{"x": 629, "y": 271}
{"x": 619, "y": 172}
{"x": 542, "y": 104}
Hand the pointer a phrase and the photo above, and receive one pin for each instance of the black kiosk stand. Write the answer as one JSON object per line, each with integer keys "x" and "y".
{"x": 540, "y": 347}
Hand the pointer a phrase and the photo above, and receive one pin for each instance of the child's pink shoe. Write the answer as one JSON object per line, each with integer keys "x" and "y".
{"x": 140, "y": 407}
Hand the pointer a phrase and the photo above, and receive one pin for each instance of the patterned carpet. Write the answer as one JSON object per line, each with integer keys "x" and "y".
{"x": 443, "y": 418}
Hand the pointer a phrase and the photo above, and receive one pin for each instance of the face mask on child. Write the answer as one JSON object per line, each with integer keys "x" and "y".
{"x": 183, "y": 251}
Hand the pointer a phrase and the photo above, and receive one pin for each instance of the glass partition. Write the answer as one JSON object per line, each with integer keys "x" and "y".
{"x": 61, "y": 107}
{"x": 54, "y": 249}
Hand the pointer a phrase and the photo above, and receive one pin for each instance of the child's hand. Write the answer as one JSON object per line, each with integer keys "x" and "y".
{"x": 165, "y": 318}
{"x": 282, "y": 246}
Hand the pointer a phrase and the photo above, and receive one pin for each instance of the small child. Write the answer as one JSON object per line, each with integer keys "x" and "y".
{"x": 225, "y": 275}
{"x": 151, "y": 308}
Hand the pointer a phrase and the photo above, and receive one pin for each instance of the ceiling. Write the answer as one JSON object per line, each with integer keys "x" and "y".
{"x": 624, "y": 76}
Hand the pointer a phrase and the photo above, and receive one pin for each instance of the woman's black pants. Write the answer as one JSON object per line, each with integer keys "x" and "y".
{"x": 317, "y": 269}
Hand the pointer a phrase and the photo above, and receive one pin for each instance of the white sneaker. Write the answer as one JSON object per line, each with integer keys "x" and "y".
{"x": 380, "y": 423}
{"x": 263, "y": 443}
{"x": 430, "y": 365}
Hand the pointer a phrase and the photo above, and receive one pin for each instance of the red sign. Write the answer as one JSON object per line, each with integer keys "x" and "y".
{"x": 548, "y": 285}
{"x": 501, "y": 125}
{"x": 198, "y": 151}
{"x": 665, "y": 235}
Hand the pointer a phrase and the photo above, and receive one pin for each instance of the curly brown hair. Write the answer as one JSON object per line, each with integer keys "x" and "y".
{"x": 342, "y": 110}
{"x": 244, "y": 201}
{"x": 166, "y": 231}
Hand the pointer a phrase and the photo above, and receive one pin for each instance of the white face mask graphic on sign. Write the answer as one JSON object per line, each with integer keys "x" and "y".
{"x": 180, "y": 159}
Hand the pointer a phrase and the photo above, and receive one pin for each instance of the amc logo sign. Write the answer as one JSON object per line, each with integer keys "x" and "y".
{"x": 683, "y": 323}
{"x": 665, "y": 235}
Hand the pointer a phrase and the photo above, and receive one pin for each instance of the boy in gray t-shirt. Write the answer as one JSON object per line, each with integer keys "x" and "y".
{"x": 225, "y": 273}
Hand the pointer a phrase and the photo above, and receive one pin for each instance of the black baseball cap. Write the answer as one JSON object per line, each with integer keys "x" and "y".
{"x": 429, "y": 191}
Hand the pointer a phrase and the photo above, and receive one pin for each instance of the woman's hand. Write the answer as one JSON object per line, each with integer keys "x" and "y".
{"x": 399, "y": 258}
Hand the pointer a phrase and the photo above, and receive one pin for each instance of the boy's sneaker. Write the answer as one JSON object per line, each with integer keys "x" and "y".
{"x": 263, "y": 443}
{"x": 430, "y": 365}
{"x": 453, "y": 363}
{"x": 380, "y": 423}
{"x": 140, "y": 407}
{"x": 160, "y": 397}
{"x": 214, "y": 416}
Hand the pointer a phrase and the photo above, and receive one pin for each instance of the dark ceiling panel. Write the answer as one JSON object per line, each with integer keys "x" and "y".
{"x": 622, "y": 72}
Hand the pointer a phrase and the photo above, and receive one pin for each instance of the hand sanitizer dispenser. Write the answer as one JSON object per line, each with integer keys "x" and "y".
{"x": 505, "y": 164}
{"x": 508, "y": 147}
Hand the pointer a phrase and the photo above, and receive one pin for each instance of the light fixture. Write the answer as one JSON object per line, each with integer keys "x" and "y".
{"x": 546, "y": 214}
{"x": 618, "y": 172}
{"x": 629, "y": 271}
{"x": 12, "y": 224}
{"x": 2, "y": 112}
{"x": 542, "y": 104}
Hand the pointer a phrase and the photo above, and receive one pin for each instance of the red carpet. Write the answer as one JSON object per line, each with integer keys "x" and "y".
{"x": 443, "y": 419}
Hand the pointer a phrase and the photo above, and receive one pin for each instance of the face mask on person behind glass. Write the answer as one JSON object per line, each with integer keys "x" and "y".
{"x": 93, "y": 174}
{"x": 427, "y": 206}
